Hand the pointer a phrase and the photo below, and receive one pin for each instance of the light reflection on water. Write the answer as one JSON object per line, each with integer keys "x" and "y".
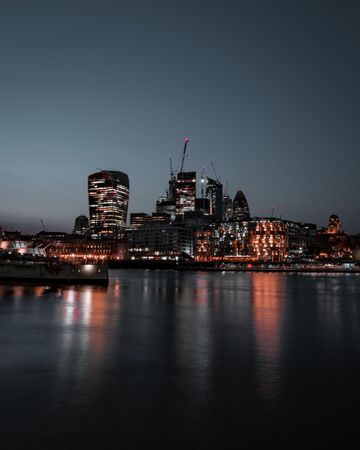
{"x": 268, "y": 309}
{"x": 219, "y": 353}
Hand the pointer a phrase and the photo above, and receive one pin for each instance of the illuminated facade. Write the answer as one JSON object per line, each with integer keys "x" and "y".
{"x": 185, "y": 192}
{"x": 227, "y": 208}
{"x": 137, "y": 220}
{"x": 108, "y": 202}
{"x": 156, "y": 240}
{"x": 214, "y": 192}
{"x": 88, "y": 250}
{"x": 332, "y": 242}
{"x": 268, "y": 239}
{"x": 166, "y": 205}
{"x": 334, "y": 226}
{"x": 204, "y": 244}
{"x": 231, "y": 239}
{"x": 226, "y": 240}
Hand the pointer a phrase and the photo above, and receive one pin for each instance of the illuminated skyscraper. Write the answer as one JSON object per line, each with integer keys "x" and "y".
{"x": 185, "y": 192}
{"x": 214, "y": 192}
{"x": 108, "y": 202}
{"x": 227, "y": 207}
{"x": 240, "y": 207}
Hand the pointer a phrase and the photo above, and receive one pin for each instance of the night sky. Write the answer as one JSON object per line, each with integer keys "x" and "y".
{"x": 268, "y": 90}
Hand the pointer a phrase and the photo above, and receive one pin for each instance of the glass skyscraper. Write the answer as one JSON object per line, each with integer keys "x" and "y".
{"x": 108, "y": 202}
{"x": 240, "y": 207}
{"x": 185, "y": 192}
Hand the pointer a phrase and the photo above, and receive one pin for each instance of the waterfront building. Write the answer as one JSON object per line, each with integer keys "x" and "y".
{"x": 156, "y": 240}
{"x": 214, "y": 193}
{"x": 231, "y": 239}
{"x": 204, "y": 244}
{"x": 223, "y": 241}
{"x": 354, "y": 242}
{"x": 108, "y": 203}
{"x": 334, "y": 226}
{"x": 268, "y": 239}
{"x": 301, "y": 239}
{"x": 332, "y": 242}
{"x": 82, "y": 225}
{"x": 185, "y": 192}
{"x": 88, "y": 250}
{"x": 240, "y": 207}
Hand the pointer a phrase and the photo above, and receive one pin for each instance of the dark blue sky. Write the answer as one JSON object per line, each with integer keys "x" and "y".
{"x": 268, "y": 90}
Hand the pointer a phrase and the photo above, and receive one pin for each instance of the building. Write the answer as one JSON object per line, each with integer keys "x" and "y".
{"x": 137, "y": 220}
{"x": 268, "y": 239}
{"x": 87, "y": 250}
{"x": 332, "y": 242}
{"x": 227, "y": 208}
{"x": 108, "y": 203}
{"x": 204, "y": 244}
{"x": 301, "y": 239}
{"x": 82, "y": 225}
{"x": 166, "y": 205}
{"x": 240, "y": 207}
{"x": 231, "y": 239}
{"x": 157, "y": 240}
{"x": 185, "y": 192}
{"x": 214, "y": 192}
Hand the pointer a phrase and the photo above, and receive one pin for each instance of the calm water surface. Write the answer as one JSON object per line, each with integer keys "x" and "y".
{"x": 187, "y": 360}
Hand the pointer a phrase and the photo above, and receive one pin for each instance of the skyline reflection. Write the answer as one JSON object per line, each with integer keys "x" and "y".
{"x": 268, "y": 292}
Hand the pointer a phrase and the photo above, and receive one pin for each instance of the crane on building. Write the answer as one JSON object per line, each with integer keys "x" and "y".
{"x": 187, "y": 140}
{"x": 217, "y": 178}
{"x": 172, "y": 173}
{"x": 43, "y": 224}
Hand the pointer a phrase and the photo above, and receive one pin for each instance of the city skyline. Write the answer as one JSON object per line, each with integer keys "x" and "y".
{"x": 270, "y": 93}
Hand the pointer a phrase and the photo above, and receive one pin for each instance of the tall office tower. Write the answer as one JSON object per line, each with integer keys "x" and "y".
{"x": 240, "y": 207}
{"x": 108, "y": 202}
{"x": 227, "y": 208}
{"x": 164, "y": 204}
{"x": 185, "y": 192}
{"x": 214, "y": 192}
{"x": 82, "y": 225}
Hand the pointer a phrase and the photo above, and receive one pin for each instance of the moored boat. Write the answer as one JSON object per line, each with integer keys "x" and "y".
{"x": 21, "y": 263}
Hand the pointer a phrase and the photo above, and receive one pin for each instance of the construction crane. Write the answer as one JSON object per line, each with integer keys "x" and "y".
{"x": 171, "y": 169}
{"x": 217, "y": 178}
{"x": 184, "y": 153}
{"x": 43, "y": 224}
{"x": 172, "y": 172}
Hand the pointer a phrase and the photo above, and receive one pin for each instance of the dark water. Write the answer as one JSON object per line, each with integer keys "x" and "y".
{"x": 183, "y": 360}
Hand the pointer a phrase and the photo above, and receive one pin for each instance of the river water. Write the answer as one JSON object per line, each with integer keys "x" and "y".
{"x": 182, "y": 359}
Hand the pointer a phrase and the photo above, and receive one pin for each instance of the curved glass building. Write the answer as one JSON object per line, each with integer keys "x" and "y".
{"x": 108, "y": 202}
{"x": 240, "y": 207}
